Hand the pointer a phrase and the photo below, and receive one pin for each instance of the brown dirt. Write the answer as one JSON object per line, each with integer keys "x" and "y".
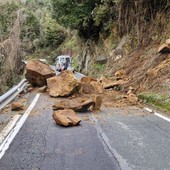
{"x": 146, "y": 69}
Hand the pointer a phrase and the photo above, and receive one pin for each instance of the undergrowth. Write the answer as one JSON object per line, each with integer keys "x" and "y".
{"x": 160, "y": 101}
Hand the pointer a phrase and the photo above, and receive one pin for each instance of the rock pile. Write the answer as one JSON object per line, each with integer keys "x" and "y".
{"x": 74, "y": 95}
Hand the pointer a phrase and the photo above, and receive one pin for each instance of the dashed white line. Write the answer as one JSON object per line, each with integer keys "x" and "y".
{"x": 157, "y": 114}
{"x": 161, "y": 116}
{"x": 6, "y": 143}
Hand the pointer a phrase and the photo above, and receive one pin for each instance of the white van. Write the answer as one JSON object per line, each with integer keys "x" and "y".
{"x": 61, "y": 61}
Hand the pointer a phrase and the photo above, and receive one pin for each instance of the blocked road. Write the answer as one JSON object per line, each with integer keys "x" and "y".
{"x": 115, "y": 138}
{"x": 41, "y": 144}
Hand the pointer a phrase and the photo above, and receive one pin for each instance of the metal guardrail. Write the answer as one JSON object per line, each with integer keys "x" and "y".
{"x": 12, "y": 93}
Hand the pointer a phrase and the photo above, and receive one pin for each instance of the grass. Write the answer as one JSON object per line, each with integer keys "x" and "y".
{"x": 160, "y": 101}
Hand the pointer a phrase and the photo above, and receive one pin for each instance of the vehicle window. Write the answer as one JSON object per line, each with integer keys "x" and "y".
{"x": 68, "y": 59}
{"x": 62, "y": 59}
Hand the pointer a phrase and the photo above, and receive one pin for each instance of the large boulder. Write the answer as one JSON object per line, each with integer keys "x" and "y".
{"x": 87, "y": 88}
{"x": 64, "y": 84}
{"x": 66, "y": 117}
{"x": 37, "y": 72}
{"x": 90, "y": 86}
{"x": 76, "y": 104}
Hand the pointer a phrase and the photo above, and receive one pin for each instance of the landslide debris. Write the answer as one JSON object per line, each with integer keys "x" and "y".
{"x": 66, "y": 117}
{"x": 64, "y": 84}
{"x": 16, "y": 106}
{"x": 108, "y": 84}
{"x": 37, "y": 72}
{"x": 88, "y": 94}
{"x": 78, "y": 104}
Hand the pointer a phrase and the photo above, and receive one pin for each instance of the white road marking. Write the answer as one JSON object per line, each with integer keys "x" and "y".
{"x": 157, "y": 114}
{"x": 161, "y": 116}
{"x": 8, "y": 127}
{"x": 6, "y": 143}
{"x": 147, "y": 109}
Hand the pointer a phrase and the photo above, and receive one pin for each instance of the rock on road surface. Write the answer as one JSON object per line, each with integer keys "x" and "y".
{"x": 126, "y": 138}
{"x": 41, "y": 144}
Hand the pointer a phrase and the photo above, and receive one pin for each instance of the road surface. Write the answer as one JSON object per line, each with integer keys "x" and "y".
{"x": 128, "y": 138}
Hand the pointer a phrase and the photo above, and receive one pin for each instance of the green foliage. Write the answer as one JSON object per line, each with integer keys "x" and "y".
{"x": 7, "y": 16}
{"x": 99, "y": 67}
{"x": 78, "y": 15}
{"x": 160, "y": 101}
{"x": 31, "y": 27}
{"x": 53, "y": 33}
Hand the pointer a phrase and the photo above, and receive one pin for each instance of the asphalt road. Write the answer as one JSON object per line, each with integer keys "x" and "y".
{"x": 138, "y": 139}
{"x": 41, "y": 144}
{"x": 112, "y": 139}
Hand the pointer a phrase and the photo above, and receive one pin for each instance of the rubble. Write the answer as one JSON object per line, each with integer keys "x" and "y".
{"x": 97, "y": 102}
{"x": 87, "y": 80}
{"x": 76, "y": 104}
{"x": 16, "y": 106}
{"x": 97, "y": 86}
{"x": 37, "y": 72}
{"x": 107, "y": 83}
{"x": 64, "y": 84}
{"x": 87, "y": 88}
{"x": 132, "y": 98}
{"x": 165, "y": 48}
{"x": 121, "y": 74}
{"x": 66, "y": 117}
{"x": 90, "y": 86}
{"x": 42, "y": 89}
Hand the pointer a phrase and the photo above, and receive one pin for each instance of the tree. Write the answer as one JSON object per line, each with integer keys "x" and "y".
{"x": 77, "y": 14}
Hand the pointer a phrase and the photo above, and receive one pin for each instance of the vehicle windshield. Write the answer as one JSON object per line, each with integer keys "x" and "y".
{"x": 62, "y": 59}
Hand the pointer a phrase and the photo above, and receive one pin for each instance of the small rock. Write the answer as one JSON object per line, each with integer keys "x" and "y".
{"x": 121, "y": 74}
{"x": 164, "y": 48}
{"x": 30, "y": 89}
{"x": 107, "y": 83}
{"x": 66, "y": 117}
{"x": 16, "y": 106}
{"x": 132, "y": 98}
{"x": 167, "y": 42}
{"x": 42, "y": 89}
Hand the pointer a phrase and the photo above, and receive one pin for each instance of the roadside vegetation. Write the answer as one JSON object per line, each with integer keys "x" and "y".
{"x": 160, "y": 101}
